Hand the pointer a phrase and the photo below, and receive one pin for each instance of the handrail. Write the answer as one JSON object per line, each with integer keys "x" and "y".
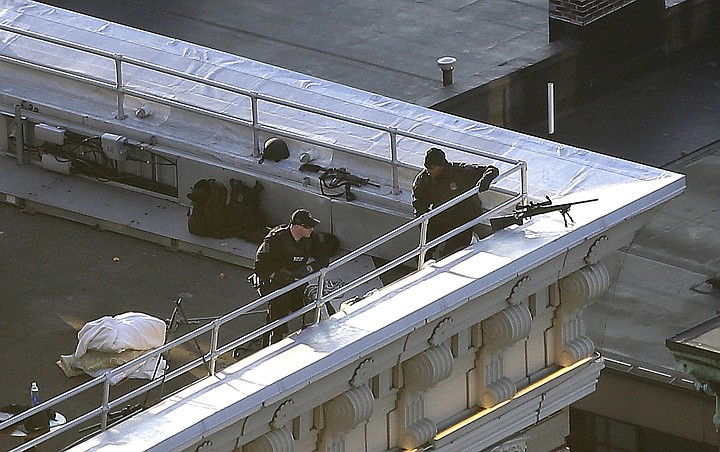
{"x": 213, "y": 326}
{"x": 121, "y": 91}
{"x": 215, "y": 350}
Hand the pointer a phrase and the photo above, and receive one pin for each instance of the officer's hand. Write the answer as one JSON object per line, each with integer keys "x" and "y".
{"x": 303, "y": 271}
{"x": 488, "y": 176}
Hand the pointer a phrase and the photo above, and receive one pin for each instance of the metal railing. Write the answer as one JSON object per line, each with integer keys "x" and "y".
{"x": 117, "y": 85}
{"x": 213, "y": 327}
{"x": 210, "y": 357}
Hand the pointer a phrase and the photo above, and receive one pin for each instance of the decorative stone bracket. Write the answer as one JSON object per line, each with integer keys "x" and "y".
{"x": 362, "y": 373}
{"x": 577, "y": 291}
{"x": 420, "y": 373}
{"x": 283, "y": 415}
{"x": 344, "y": 413}
{"x": 520, "y": 291}
{"x": 600, "y": 247}
{"x": 280, "y": 440}
{"x": 500, "y": 332}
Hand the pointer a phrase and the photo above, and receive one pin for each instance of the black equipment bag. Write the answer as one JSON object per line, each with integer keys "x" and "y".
{"x": 329, "y": 242}
{"x": 208, "y": 214}
{"x": 213, "y": 215}
{"x": 245, "y": 216}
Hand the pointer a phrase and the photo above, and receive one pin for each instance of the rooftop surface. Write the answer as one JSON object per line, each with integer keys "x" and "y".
{"x": 389, "y": 49}
{"x": 666, "y": 119}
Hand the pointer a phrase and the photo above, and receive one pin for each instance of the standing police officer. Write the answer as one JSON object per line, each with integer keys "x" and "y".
{"x": 441, "y": 181}
{"x": 288, "y": 252}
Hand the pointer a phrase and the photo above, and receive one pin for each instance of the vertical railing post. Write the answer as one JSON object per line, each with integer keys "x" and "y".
{"x": 105, "y": 402}
{"x": 394, "y": 161}
{"x": 213, "y": 345}
{"x": 423, "y": 241}
{"x": 319, "y": 296}
{"x": 119, "y": 87}
{"x": 523, "y": 181}
{"x": 19, "y": 136}
{"x": 254, "y": 113}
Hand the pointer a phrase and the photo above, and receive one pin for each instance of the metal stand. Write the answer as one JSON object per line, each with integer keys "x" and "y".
{"x": 178, "y": 316}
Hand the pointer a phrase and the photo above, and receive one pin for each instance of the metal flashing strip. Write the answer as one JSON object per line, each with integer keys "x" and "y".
{"x": 650, "y": 372}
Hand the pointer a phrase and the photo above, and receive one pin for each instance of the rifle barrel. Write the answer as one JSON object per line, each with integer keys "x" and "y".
{"x": 563, "y": 208}
{"x": 580, "y": 202}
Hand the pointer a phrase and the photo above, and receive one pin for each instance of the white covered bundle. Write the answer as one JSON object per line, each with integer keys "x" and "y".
{"x": 109, "y": 342}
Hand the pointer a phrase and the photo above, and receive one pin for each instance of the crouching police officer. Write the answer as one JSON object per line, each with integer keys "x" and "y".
{"x": 287, "y": 253}
{"x": 438, "y": 183}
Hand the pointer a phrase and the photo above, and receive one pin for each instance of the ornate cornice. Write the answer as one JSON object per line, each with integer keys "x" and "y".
{"x": 280, "y": 440}
{"x": 426, "y": 369}
{"x": 348, "y": 410}
{"x": 363, "y": 373}
{"x": 520, "y": 291}
{"x": 283, "y": 415}
{"x": 441, "y": 332}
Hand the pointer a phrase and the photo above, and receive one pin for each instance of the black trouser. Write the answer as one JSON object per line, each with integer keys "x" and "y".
{"x": 278, "y": 308}
{"x": 446, "y": 248}
{"x": 453, "y": 244}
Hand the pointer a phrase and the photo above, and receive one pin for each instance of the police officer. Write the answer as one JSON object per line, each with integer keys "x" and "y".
{"x": 438, "y": 183}
{"x": 287, "y": 253}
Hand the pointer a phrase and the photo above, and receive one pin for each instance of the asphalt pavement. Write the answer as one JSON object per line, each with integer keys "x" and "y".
{"x": 56, "y": 275}
{"x": 388, "y": 48}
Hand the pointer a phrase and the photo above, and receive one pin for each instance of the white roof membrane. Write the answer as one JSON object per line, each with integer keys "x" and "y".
{"x": 554, "y": 169}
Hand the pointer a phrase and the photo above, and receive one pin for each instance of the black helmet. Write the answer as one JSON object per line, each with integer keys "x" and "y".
{"x": 275, "y": 149}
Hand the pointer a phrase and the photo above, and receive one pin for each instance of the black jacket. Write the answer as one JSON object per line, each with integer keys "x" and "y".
{"x": 281, "y": 259}
{"x": 455, "y": 179}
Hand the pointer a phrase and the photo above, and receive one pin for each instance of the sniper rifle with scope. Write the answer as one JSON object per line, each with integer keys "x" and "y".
{"x": 524, "y": 211}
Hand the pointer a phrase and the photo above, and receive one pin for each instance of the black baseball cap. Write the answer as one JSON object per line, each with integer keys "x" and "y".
{"x": 435, "y": 157}
{"x": 304, "y": 218}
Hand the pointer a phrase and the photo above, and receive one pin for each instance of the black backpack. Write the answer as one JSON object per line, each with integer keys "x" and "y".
{"x": 207, "y": 216}
{"x": 245, "y": 216}
{"x": 329, "y": 242}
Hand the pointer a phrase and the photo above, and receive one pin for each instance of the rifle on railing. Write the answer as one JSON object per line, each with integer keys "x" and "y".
{"x": 333, "y": 178}
{"x": 525, "y": 211}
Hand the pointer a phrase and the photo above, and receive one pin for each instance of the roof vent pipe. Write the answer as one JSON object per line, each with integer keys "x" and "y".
{"x": 446, "y": 65}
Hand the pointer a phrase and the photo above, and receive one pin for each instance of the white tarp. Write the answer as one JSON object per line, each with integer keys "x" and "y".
{"x": 109, "y": 342}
